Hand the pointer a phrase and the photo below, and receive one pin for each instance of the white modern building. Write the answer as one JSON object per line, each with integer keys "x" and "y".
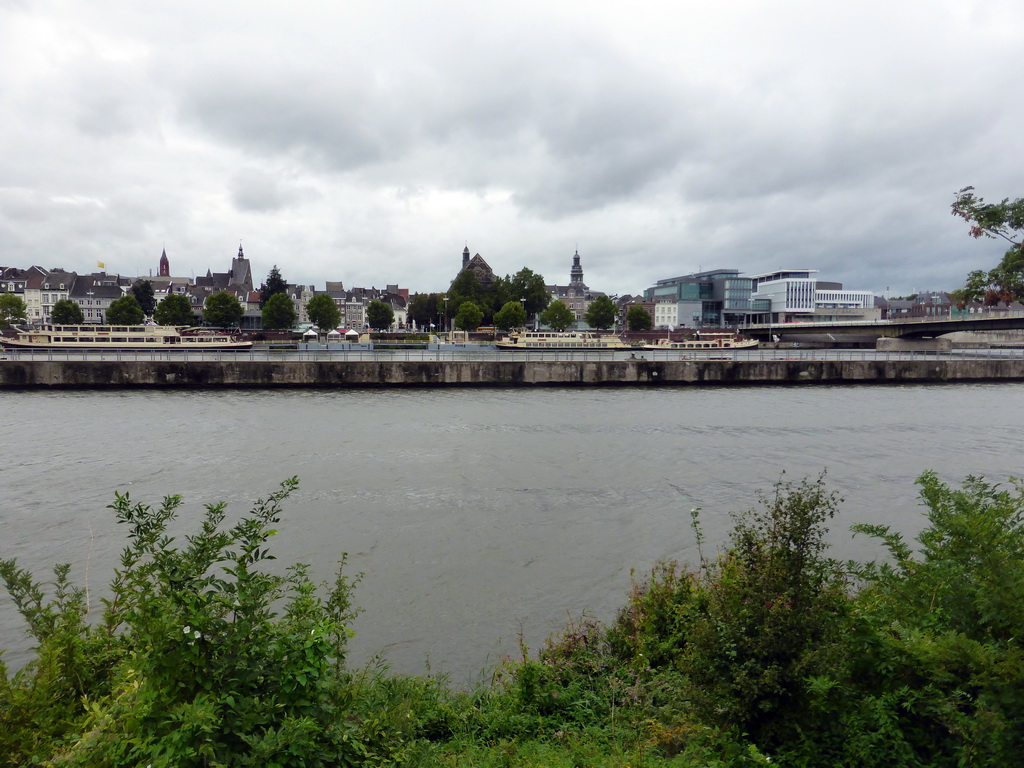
{"x": 722, "y": 298}
{"x": 797, "y": 296}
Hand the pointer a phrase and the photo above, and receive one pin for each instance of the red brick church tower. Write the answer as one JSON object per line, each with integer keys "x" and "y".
{"x": 165, "y": 265}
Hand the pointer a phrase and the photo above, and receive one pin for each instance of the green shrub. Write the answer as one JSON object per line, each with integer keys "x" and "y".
{"x": 191, "y": 664}
{"x": 940, "y": 667}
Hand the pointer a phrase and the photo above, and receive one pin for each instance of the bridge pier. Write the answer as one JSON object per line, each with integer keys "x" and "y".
{"x": 885, "y": 344}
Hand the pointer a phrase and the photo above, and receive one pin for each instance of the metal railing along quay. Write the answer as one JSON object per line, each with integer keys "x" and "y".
{"x": 466, "y": 354}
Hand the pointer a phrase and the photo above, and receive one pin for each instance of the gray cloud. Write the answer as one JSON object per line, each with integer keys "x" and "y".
{"x": 368, "y": 143}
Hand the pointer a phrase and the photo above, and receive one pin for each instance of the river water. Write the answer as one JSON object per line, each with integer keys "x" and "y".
{"x": 480, "y": 514}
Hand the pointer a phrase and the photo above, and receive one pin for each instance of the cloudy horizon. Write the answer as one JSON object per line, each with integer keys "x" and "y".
{"x": 371, "y": 142}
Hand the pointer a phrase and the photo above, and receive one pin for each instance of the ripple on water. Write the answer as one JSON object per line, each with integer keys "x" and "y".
{"x": 477, "y": 514}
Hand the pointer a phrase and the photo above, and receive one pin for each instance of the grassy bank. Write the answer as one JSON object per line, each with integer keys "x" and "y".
{"x": 769, "y": 653}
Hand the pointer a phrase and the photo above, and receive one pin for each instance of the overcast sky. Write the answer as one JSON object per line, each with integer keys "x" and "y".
{"x": 369, "y": 142}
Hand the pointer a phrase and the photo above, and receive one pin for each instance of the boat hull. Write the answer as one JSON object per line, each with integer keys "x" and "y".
{"x": 717, "y": 345}
{"x": 539, "y": 341}
{"x": 121, "y": 338}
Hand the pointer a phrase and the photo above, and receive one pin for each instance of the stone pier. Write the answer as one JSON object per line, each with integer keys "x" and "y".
{"x": 526, "y": 373}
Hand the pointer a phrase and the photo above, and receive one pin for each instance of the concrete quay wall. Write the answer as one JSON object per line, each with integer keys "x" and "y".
{"x": 339, "y": 374}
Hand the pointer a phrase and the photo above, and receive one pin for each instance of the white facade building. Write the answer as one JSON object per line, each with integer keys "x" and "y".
{"x": 796, "y": 296}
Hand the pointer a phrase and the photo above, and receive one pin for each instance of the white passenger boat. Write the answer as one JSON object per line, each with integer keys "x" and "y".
{"x": 709, "y": 342}
{"x": 115, "y": 337}
{"x": 568, "y": 340}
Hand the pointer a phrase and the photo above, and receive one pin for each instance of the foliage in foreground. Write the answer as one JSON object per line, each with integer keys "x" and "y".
{"x": 770, "y": 653}
{"x": 1003, "y": 220}
{"x": 189, "y": 664}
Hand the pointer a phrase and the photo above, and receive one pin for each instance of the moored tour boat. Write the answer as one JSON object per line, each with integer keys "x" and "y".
{"x": 116, "y": 337}
{"x": 708, "y": 342}
{"x": 568, "y": 340}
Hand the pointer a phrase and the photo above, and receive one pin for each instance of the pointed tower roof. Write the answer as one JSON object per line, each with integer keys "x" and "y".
{"x": 576, "y": 273}
{"x": 165, "y": 265}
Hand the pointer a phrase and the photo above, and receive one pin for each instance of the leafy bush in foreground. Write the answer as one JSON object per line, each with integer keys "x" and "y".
{"x": 770, "y": 653}
{"x": 190, "y": 664}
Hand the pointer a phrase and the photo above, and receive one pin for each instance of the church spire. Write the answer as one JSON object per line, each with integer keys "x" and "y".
{"x": 576, "y": 273}
{"x": 165, "y": 265}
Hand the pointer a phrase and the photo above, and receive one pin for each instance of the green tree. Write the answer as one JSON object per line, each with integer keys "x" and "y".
{"x": 223, "y": 310}
{"x": 557, "y": 316}
{"x": 174, "y": 309}
{"x": 66, "y": 312}
{"x": 125, "y": 311}
{"x": 323, "y": 312}
{"x": 638, "y": 319}
{"x": 274, "y": 285}
{"x": 1003, "y": 220}
{"x": 143, "y": 293}
{"x": 379, "y": 316}
{"x": 423, "y": 309}
{"x": 511, "y": 315}
{"x": 465, "y": 287}
{"x": 527, "y": 285}
{"x": 469, "y": 317}
{"x": 279, "y": 312}
{"x": 12, "y": 310}
{"x": 601, "y": 313}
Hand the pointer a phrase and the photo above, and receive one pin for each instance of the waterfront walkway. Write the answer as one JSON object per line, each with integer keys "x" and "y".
{"x": 473, "y": 353}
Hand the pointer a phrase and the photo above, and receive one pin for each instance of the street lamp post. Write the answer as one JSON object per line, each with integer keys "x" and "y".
{"x": 525, "y": 316}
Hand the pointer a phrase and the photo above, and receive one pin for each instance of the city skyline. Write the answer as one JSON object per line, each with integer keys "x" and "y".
{"x": 370, "y": 142}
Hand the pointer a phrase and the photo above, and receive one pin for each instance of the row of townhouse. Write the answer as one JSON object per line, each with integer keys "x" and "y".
{"x": 41, "y": 289}
{"x": 238, "y": 281}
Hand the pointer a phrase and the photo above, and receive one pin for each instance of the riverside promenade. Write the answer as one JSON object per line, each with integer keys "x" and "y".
{"x": 267, "y": 374}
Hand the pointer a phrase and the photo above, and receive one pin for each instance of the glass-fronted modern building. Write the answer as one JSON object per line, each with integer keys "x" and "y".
{"x": 722, "y": 298}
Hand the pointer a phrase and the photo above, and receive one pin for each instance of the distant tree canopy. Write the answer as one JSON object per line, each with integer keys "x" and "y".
{"x": 557, "y": 316}
{"x": 12, "y": 310}
{"x": 125, "y": 311}
{"x": 143, "y": 293}
{"x": 510, "y": 316}
{"x": 638, "y": 319}
{"x": 490, "y": 299}
{"x": 1004, "y": 220}
{"x": 469, "y": 317}
{"x": 174, "y": 309}
{"x": 66, "y": 312}
{"x": 279, "y": 312}
{"x": 274, "y": 285}
{"x": 223, "y": 310}
{"x": 323, "y": 312}
{"x": 601, "y": 313}
{"x": 424, "y": 309}
{"x": 466, "y": 287}
{"x": 528, "y": 285}
{"x": 379, "y": 316}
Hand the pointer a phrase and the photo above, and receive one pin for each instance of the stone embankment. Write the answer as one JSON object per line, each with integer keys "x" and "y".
{"x": 527, "y": 373}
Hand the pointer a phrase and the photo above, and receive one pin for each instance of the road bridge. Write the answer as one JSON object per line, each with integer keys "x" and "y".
{"x": 917, "y": 328}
